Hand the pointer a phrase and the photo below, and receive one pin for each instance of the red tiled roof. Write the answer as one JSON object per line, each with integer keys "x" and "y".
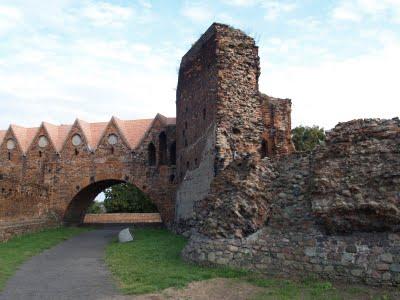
{"x": 24, "y": 136}
{"x": 2, "y": 135}
{"x": 57, "y": 134}
{"x": 171, "y": 121}
{"x": 132, "y": 132}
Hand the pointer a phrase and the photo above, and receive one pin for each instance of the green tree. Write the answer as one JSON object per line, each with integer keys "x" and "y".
{"x": 307, "y": 138}
{"x": 95, "y": 208}
{"x": 127, "y": 198}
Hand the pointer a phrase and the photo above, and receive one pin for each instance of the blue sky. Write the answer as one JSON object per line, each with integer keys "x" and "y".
{"x": 62, "y": 59}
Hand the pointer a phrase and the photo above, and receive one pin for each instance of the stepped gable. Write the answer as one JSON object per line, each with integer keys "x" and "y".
{"x": 24, "y": 136}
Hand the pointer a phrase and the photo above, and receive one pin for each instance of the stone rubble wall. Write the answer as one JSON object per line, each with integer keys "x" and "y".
{"x": 357, "y": 177}
{"x": 237, "y": 204}
{"x": 293, "y": 237}
{"x": 372, "y": 258}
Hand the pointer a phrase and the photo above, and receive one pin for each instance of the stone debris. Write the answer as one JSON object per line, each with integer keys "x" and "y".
{"x": 125, "y": 236}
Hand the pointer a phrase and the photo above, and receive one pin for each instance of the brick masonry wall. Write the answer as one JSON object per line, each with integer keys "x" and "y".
{"x": 43, "y": 181}
{"x": 123, "y": 218}
{"x": 277, "y": 121}
{"x": 11, "y": 229}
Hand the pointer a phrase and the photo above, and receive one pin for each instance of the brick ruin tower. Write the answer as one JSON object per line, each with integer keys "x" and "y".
{"x": 221, "y": 115}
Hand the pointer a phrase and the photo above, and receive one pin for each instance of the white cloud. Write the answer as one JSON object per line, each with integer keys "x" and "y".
{"x": 356, "y": 10}
{"x": 9, "y": 17}
{"x": 333, "y": 91}
{"x": 274, "y": 9}
{"x": 197, "y": 12}
{"x": 347, "y": 11}
{"x": 106, "y": 14}
{"x": 92, "y": 80}
{"x": 240, "y": 2}
{"x": 145, "y": 4}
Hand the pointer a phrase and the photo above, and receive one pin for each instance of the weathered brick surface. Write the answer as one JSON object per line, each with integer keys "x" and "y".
{"x": 46, "y": 181}
{"x": 122, "y": 218}
{"x": 314, "y": 221}
{"x": 19, "y": 227}
{"x": 221, "y": 115}
{"x": 357, "y": 177}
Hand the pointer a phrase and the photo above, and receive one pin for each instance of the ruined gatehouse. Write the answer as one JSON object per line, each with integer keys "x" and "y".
{"x": 224, "y": 173}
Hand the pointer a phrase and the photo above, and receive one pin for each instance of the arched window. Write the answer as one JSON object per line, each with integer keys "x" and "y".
{"x": 264, "y": 148}
{"x": 162, "y": 154}
{"x": 172, "y": 154}
{"x": 152, "y": 154}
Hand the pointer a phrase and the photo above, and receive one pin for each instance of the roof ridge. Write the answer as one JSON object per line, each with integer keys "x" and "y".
{"x": 132, "y": 131}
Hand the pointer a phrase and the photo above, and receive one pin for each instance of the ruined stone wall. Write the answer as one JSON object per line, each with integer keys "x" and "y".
{"x": 195, "y": 111}
{"x": 220, "y": 114}
{"x": 310, "y": 222}
{"x": 357, "y": 177}
{"x": 276, "y": 114}
{"x": 238, "y": 114}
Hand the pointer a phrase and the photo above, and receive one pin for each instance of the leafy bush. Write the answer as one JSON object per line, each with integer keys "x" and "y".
{"x": 307, "y": 138}
{"x": 127, "y": 198}
{"x": 96, "y": 208}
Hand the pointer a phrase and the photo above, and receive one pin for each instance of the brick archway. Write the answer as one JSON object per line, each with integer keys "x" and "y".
{"x": 58, "y": 170}
{"x": 75, "y": 212}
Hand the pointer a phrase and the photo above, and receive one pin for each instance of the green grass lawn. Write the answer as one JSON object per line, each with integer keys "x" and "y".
{"x": 17, "y": 250}
{"x": 152, "y": 263}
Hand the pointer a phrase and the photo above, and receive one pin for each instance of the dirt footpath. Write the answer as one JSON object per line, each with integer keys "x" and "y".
{"x": 213, "y": 289}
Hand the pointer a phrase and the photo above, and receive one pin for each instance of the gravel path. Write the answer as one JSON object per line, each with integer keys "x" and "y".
{"x": 74, "y": 269}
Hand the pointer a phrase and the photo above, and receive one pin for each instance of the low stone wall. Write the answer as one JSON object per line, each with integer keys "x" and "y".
{"x": 11, "y": 229}
{"x": 372, "y": 258}
{"x": 122, "y": 218}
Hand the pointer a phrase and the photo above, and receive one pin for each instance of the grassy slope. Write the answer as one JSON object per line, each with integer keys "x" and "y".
{"x": 152, "y": 263}
{"x": 17, "y": 250}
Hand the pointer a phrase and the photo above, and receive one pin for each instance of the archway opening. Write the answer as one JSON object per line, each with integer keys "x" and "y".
{"x": 108, "y": 197}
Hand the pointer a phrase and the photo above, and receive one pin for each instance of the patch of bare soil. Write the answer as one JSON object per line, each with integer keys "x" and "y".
{"x": 214, "y": 289}
{"x": 235, "y": 289}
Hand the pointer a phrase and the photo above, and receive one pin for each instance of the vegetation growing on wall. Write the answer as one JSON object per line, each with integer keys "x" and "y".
{"x": 307, "y": 138}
